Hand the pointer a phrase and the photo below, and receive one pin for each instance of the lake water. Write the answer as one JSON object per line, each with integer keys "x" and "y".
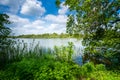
{"x": 50, "y": 43}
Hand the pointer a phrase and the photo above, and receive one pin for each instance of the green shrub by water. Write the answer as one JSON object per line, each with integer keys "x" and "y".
{"x": 45, "y": 68}
{"x": 48, "y": 68}
{"x": 64, "y": 53}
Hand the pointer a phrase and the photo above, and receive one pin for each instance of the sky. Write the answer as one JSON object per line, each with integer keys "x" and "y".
{"x": 35, "y": 16}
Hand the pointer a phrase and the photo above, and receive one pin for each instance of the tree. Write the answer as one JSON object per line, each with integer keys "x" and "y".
{"x": 4, "y": 31}
{"x": 4, "y": 42}
{"x": 98, "y": 20}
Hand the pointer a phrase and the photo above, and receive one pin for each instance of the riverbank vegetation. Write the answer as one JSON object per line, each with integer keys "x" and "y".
{"x": 38, "y": 63}
{"x": 48, "y": 68}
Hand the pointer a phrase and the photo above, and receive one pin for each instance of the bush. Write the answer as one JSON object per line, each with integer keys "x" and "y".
{"x": 44, "y": 68}
{"x": 64, "y": 53}
{"x": 47, "y": 68}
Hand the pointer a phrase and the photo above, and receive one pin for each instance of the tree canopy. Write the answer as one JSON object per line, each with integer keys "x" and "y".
{"x": 99, "y": 21}
{"x": 4, "y": 42}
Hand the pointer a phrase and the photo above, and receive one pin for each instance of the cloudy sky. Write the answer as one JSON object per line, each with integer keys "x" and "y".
{"x": 35, "y": 16}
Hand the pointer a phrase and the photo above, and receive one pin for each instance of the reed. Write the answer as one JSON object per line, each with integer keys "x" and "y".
{"x": 64, "y": 53}
{"x": 18, "y": 50}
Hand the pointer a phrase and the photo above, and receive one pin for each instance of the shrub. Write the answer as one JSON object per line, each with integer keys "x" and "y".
{"x": 45, "y": 67}
{"x": 64, "y": 53}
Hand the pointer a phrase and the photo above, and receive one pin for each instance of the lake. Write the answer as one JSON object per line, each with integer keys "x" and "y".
{"x": 50, "y": 43}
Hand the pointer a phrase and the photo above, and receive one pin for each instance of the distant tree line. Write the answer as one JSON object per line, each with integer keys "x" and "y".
{"x": 47, "y": 35}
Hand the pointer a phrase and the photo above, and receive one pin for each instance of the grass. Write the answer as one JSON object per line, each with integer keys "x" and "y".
{"x": 40, "y": 64}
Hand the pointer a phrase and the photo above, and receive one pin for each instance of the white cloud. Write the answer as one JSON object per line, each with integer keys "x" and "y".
{"x": 14, "y": 5}
{"x": 61, "y": 18}
{"x": 16, "y": 19}
{"x": 57, "y": 19}
{"x": 26, "y": 7}
{"x": 17, "y": 23}
{"x": 32, "y": 8}
{"x": 48, "y": 24}
{"x": 39, "y": 26}
{"x": 63, "y": 9}
{"x": 57, "y": 28}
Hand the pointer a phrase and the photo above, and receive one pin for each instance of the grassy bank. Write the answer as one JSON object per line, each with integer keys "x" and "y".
{"x": 37, "y": 63}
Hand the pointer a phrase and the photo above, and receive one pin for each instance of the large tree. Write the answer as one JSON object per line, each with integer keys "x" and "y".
{"x": 99, "y": 21}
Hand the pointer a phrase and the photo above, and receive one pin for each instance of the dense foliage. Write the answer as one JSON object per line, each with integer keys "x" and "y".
{"x": 99, "y": 21}
{"x": 48, "y": 68}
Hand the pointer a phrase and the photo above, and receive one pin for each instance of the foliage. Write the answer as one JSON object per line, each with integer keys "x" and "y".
{"x": 4, "y": 42}
{"x": 4, "y": 31}
{"x": 35, "y": 64}
{"x": 99, "y": 21}
{"x": 47, "y": 68}
{"x": 107, "y": 51}
{"x": 64, "y": 53}
{"x": 43, "y": 68}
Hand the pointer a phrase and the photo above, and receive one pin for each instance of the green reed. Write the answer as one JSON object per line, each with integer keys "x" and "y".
{"x": 64, "y": 53}
{"x": 19, "y": 49}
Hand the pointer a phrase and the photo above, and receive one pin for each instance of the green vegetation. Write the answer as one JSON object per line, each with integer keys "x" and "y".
{"x": 38, "y": 64}
{"x": 47, "y": 35}
{"x": 48, "y": 68}
{"x": 4, "y": 42}
{"x": 99, "y": 21}
{"x": 64, "y": 53}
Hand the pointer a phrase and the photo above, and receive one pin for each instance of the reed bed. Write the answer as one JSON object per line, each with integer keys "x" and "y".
{"x": 18, "y": 50}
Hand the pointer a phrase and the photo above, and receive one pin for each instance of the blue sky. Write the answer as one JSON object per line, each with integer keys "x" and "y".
{"x": 35, "y": 16}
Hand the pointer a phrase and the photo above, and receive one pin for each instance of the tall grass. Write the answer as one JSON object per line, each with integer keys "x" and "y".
{"x": 18, "y": 50}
